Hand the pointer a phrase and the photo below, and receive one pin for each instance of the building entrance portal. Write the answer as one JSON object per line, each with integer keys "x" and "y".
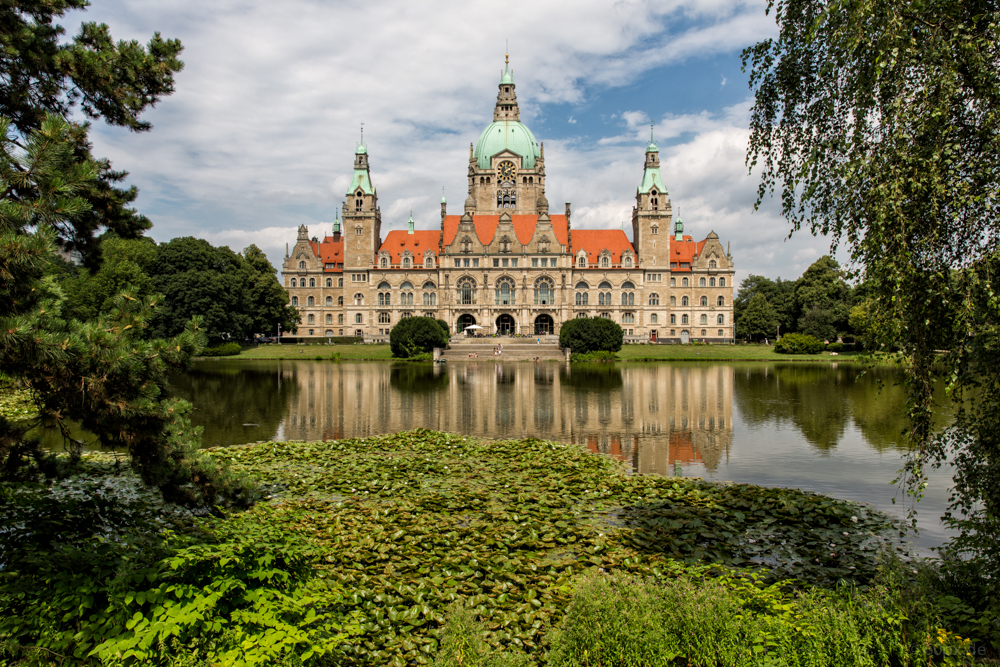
{"x": 465, "y": 321}
{"x": 505, "y": 324}
{"x": 544, "y": 325}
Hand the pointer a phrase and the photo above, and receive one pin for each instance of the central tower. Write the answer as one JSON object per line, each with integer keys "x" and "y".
{"x": 506, "y": 165}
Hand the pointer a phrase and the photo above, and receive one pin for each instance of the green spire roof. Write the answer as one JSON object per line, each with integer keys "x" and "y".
{"x": 651, "y": 148}
{"x": 507, "y": 76}
{"x": 650, "y": 179}
{"x": 443, "y": 200}
{"x": 506, "y": 134}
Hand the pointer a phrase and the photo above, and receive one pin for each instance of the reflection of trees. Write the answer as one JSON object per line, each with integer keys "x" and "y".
{"x": 819, "y": 400}
{"x": 597, "y": 377}
{"x": 228, "y": 395}
{"x": 417, "y": 378}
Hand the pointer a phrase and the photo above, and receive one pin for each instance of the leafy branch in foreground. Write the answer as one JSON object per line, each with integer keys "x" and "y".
{"x": 100, "y": 373}
{"x": 879, "y": 123}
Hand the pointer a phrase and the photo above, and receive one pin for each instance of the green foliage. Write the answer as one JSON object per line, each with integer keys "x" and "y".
{"x": 880, "y": 124}
{"x": 823, "y": 298}
{"x": 463, "y": 643}
{"x": 583, "y": 335}
{"x": 444, "y": 326}
{"x": 45, "y": 73}
{"x": 780, "y": 294}
{"x": 225, "y": 350}
{"x": 795, "y": 343}
{"x": 414, "y": 336}
{"x": 627, "y": 621}
{"x": 600, "y": 356}
{"x": 758, "y": 319}
{"x": 115, "y": 586}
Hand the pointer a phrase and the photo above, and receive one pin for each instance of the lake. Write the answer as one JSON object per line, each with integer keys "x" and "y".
{"x": 830, "y": 428}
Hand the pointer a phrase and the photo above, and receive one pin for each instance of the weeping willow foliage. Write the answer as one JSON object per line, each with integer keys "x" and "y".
{"x": 878, "y": 123}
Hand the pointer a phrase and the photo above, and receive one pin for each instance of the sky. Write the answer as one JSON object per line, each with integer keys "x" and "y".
{"x": 260, "y": 134}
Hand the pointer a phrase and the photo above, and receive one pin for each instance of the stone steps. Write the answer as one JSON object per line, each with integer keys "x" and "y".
{"x": 514, "y": 349}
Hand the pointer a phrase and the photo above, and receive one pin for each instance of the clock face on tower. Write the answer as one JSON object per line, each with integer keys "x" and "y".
{"x": 506, "y": 171}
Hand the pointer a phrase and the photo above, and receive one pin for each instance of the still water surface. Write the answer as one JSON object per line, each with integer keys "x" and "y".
{"x": 833, "y": 429}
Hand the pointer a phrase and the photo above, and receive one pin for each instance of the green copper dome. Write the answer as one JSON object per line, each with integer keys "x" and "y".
{"x": 506, "y": 134}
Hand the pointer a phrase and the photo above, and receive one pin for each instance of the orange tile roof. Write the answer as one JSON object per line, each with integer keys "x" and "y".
{"x": 593, "y": 241}
{"x": 330, "y": 252}
{"x": 524, "y": 227}
{"x": 684, "y": 251}
{"x": 419, "y": 242}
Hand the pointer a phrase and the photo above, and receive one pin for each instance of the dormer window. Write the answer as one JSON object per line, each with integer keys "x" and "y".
{"x": 302, "y": 265}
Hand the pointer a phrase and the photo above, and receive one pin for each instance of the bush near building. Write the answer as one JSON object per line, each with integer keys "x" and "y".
{"x": 795, "y": 343}
{"x": 583, "y": 336}
{"x": 416, "y": 335}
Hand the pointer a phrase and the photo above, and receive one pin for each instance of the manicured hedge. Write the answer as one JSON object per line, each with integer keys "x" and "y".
{"x": 224, "y": 350}
{"x": 796, "y": 343}
{"x": 591, "y": 335}
{"x": 416, "y": 335}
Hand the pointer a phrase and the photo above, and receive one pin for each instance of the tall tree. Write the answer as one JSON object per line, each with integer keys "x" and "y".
{"x": 823, "y": 299}
{"x": 879, "y": 122}
{"x": 268, "y": 300}
{"x": 758, "y": 319}
{"x": 43, "y": 73}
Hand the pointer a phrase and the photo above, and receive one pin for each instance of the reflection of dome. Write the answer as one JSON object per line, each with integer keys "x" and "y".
{"x": 506, "y": 134}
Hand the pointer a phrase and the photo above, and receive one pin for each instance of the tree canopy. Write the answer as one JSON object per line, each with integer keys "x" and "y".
{"x": 758, "y": 320}
{"x": 879, "y": 124}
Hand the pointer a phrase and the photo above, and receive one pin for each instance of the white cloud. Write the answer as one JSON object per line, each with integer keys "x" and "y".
{"x": 259, "y": 136}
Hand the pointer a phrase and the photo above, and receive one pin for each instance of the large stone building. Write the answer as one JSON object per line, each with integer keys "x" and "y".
{"x": 506, "y": 263}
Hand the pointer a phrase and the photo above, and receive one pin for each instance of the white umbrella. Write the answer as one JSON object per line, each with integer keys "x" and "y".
{"x": 473, "y": 326}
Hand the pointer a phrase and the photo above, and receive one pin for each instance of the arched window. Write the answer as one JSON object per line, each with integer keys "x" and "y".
{"x": 721, "y": 301}
{"x": 684, "y": 282}
{"x": 311, "y": 319}
{"x": 673, "y": 319}
{"x": 721, "y": 334}
{"x": 302, "y": 265}
{"x": 721, "y": 319}
{"x": 406, "y": 294}
{"x": 329, "y": 282}
{"x": 604, "y": 285}
{"x": 358, "y": 319}
{"x": 628, "y": 318}
{"x": 627, "y": 261}
{"x": 312, "y": 282}
{"x": 581, "y": 260}
{"x": 673, "y": 301}
{"x": 628, "y": 285}
{"x": 340, "y": 318}
{"x": 654, "y": 299}
{"x": 310, "y": 301}
{"x": 384, "y": 285}
{"x": 359, "y": 299}
{"x": 684, "y": 301}
{"x": 704, "y": 300}
{"x": 704, "y": 319}
{"x": 329, "y": 319}
{"x": 384, "y": 299}
{"x": 653, "y": 319}
{"x": 406, "y": 261}
{"x": 294, "y": 283}
{"x": 429, "y": 285}
{"x": 430, "y": 298}
{"x": 295, "y": 300}
{"x": 582, "y": 285}
{"x": 601, "y": 300}
{"x": 544, "y": 293}
{"x": 383, "y": 262}
{"x": 722, "y": 282}
{"x": 466, "y": 291}
{"x": 340, "y": 301}
{"x": 329, "y": 300}
{"x": 582, "y": 298}
{"x": 504, "y": 292}
{"x": 673, "y": 282}
{"x": 428, "y": 261}
{"x": 711, "y": 282}
{"x": 605, "y": 261}
{"x": 684, "y": 319}
{"x": 712, "y": 264}
{"x": 701, "y": 282}
{"x": 340, "y": 282}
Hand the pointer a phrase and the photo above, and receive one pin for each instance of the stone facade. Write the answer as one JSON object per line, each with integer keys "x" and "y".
{"x": 507, "y": 264}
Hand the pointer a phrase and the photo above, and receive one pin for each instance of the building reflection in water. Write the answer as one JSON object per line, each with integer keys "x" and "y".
{"x": 648, "y": 416}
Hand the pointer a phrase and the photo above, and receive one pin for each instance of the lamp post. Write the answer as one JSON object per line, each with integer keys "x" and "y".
{"x": 279, "y": 333}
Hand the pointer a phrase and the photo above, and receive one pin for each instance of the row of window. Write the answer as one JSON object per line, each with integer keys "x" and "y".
{"x": 628, "y": 299}
{"x": 312, "y": 282}
{"x": 504, "y": 294}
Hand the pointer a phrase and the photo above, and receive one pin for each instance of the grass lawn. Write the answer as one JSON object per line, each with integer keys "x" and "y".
{"x": 356, "y": 352}
{"x": 721, "y": 353}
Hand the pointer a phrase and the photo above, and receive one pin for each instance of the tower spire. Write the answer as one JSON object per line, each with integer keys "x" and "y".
{"x": 506, "y": 108}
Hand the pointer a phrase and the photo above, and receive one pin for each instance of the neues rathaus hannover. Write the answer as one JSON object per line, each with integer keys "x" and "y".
{"x": 506, "y": 263}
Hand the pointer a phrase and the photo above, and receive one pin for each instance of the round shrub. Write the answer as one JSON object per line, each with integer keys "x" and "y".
{"x": 591, "y": 335}
{"x": 444, "y": 325}
{"x": 795, "y": 343}
{"x": 416, "y": 335}
{"x": 224, "y": 350}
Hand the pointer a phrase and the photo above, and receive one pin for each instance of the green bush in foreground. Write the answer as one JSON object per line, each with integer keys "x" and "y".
{"x": 416, "y": 335}
{"x": 224, "y": 350}
{"x": 584, "y": 335}
{"x": 629, "y": 621}
{"x": 795, "y": 343}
